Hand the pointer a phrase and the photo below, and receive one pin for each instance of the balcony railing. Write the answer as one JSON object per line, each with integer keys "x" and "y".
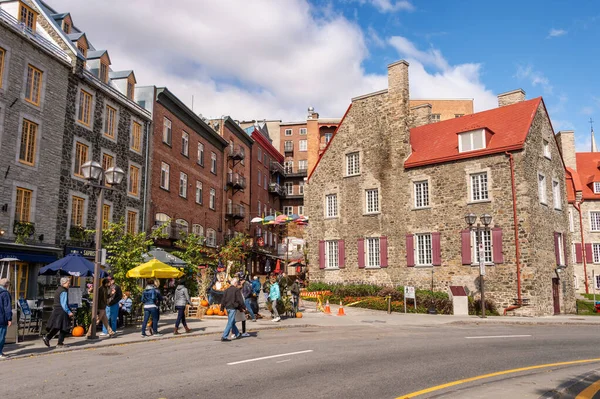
{"x": 296, "y": 172}
{"x": 236, "y": 181}
{"x": 237, "y": 152}
{"x": 277, "y": 189}
{"x": 276, "y": 167}
{"x": 235, "y": 211}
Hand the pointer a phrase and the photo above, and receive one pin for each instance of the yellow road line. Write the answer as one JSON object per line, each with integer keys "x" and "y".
{"x": 590, "y": 391}
{"x": 498, "y": 373}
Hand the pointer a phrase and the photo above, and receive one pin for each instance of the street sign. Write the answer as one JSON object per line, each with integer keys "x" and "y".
{"x": 103, "y": 256}
{"x": 481, "y": 260}
{"x": 409, "y": 292}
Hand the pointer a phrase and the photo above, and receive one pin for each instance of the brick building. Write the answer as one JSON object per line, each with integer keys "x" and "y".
{"x": 387, "y": 200}
{"x": 187, "y": 157}
{"x": 444, "y": 109}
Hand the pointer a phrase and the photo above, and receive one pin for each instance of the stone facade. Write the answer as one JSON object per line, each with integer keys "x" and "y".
{"x": 376, "y": 127}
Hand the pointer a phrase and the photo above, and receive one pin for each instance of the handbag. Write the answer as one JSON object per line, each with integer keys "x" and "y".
{"x": 240, "y": 316}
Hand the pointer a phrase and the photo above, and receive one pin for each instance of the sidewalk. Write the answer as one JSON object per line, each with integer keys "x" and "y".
{"x": 311, "y": 318}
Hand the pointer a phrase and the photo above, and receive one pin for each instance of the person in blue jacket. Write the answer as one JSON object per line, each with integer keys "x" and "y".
{"x": 274, "y": 296}
{"x": 5, "y": 313}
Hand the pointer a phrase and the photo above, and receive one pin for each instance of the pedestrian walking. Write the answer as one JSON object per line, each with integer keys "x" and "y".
{"x": 274, "y": 296}
{"x": 295, "y": 290}
{"x": 247, "y": 294}
{"x": 102, "y": 293}
{"x": 112, "y": 307}
{"x": 151, "y": 299}
{"x": 60, "y": 318}
{"x": 125, "y": 305}
{"x": 266, "y": 286}
{"x": 5, "y": 313}
{"x": 182, "y": 298}
{"x": 233, "y": 302}
{"x": 255, "y": 294}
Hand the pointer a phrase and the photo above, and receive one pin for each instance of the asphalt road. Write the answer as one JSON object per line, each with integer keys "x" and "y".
{"x": 371, "y": 360}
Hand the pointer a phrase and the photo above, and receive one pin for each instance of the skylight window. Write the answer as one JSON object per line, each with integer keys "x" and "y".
{"x": 471, "y": 141}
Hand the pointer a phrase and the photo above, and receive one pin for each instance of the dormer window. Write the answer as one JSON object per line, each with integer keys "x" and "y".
{"x": 66, "y": 27}
{"x": 597, "y": 187}
{"x": 104, "y": 72}
{"x": 27, "y": 16}
{"x": 471, "y": 141}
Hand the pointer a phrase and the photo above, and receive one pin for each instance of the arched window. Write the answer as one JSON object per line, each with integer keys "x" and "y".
{"x": 182, "y": 227}
{"x": 198, "y": 229}
{"x": 161, "y": 220}
{"x": 211, "y": 238}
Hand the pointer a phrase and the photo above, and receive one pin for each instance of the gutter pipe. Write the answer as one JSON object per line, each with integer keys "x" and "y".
{"x": 516, "y": 233}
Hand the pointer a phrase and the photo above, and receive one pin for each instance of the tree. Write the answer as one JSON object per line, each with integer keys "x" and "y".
{"x": 234, "y": 253}
{"x": 194, "y": 253}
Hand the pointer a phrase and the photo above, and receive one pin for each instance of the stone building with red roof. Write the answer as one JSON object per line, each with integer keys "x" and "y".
{"x": 387, "y": 200}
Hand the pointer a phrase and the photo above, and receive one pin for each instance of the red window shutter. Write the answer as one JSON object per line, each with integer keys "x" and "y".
{"x": 498, "y": 257}
{"x": 383, "y": 252}
{"x": 589, "y": 255}
{"x": 321, "y": 254}
{"x": 341, "y": 254}
{"x": 565, "y": 252}
{"x": 410, "y": 250}
{"x": 361, "y": 253}
{"x": 466, "y": 246}
{"x": 578, "y": 253}
{"x": 436, "y": 249}
{"x": 556, "y": 253}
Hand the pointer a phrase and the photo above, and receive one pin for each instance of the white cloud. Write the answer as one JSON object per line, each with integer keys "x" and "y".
{"x": 392, "y": 6}
{"x": 536, "y": 78}
{"x": 374, "y": 38}
{"x": 556, "y": 33}
{"x": 446, "y": 81}
{"x": 587, "y": 110}
{"x": 268, "y": 59}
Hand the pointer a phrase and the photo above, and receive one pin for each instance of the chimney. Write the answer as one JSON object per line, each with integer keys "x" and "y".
{"x": 511, "y": 97}
{"x": 420, "y": 115}
{"x": 398, "y": 80}
{"x": 312, "y": 114}
{"x": 398, "y": 110}
{"x": 566, "y": 142}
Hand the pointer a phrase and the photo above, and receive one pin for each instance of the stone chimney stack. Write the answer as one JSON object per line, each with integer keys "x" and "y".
{"x": 398, "y": 80}
{"x": 511, "y": 97}
{"x": 399, "y": 110}
{"x": 420, "y": 115}
{"x": 566, "y": 142}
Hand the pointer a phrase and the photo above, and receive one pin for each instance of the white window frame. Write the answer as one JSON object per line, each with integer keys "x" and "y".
{"x": 546, "y": 149}
{"x": 288, "y": 210}
{"x": 595, "y": 253}
{"x": 436, "y": 117}
{"x": 167, "y": 136}
{"x": 301, "y": 210}
{"x": 289, "y": 188}
{"x": 328, "y": 137}
{"x": 597, "y": 187}
{"x": 200, "y": 154}
{"x": 199, "y": 192}
{"x": 421, "y": 193}
{"x": 213, "y": 163}
{"x": 302, "y": 165}
{"x": 266, "y": 184}
{"x": 211, "y": 238}
{"x": 288, "y": 132}
{"x": 259, "y": 178}
{"x": 561, "y": 250}
{"x": 303, "y": 131}
{"x": 185, "y": 143}
{"x": 556, "y": 196}
{"x": 542, "y": 188}
{"x": 183, "y": 179}
{"x": 198, "y": 229}
{"x": 372, "y": 201}
{"x": 477, "y": 182}
{"x": 259, "y": 152}
{"x": 594, "y": 220}
{"x": 331, "y": 206}
{"x": 488, "y": 245}
{"x": 353, "y": 164}
{"x": 301, "y": 188}
{"x": 372, "y": 252}
{"x": 472, "y": 134}
{"x": 289, "y": 166}
{"x": 332, "y": 255}
{"x": 423, "y": 249}
{"x": 303, "y": 145}
{"x": 165, "y": 175}
{"x": 212, "y": 199}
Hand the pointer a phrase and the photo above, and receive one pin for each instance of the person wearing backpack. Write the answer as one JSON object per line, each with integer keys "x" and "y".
{"x": 151, "y": 298}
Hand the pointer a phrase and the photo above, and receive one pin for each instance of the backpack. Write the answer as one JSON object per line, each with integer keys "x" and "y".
{"x": 266, "y": 287}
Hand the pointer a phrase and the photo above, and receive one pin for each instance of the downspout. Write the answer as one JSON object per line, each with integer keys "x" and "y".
{"x": 147, "y": 194}
{"x": 577, "y": 205}
{"x": 516, "y": 233}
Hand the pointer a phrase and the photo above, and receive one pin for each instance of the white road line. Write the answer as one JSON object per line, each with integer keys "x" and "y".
{"x": 269, "y": 357}
{"x": 498, "y": 336}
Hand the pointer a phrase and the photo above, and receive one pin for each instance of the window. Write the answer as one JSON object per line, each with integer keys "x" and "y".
{"x": 132, "y": 222}
{"x": 289, "y": 146}
{"x": 200, "y": 154}
{"x": 301, "y": 188}
{"x": 547, "y": 153}
{"x": 596, "y": 253}
{"x": 556, "y": 194}
{"x": 471, "y": 141}
{"x": 181, "y": 227}
{"x": 27, "y": 16}
{"x": 259, "y": 178}
{"x": 134, "y": 180}
{"x": 372, "y": 200}
{"x": 352, "y": 164}
{"x": 259, "y": 209}
{"x": 161, "y": 220}
{"x": 104, "y": 72}
{"x": 265, "y": 181}
{"x": 302, "y": 165}
{"x": 85, "y": 108}
{"x": 561, "y": 249}
{"x": 595, "y": 221}
{"x": 34, "y": 85}
{"x": 542, "y": 188}
{"x": 108, "y": 161}
{"x": 424, "y": 255}
{"x": 2, "y": 56}
{"x": 183, "y": 184}
{"x": 458, "y": 115}
{"x": 288, "y": 166}
{"x": 81, "y": 157}
{"x": 265, "y": 159}
{"x": 289, "y": 188}
{"x": 571, "y": 222}
{"x": 331, "y": 210}
{"x": 77, "y": 206}
{"x": 421, "y": 194}
{"x": 259, "y": 155}
{"x": 435, "y": 117}
{"x": 198, "y": 230}
{"x": 213, "y": 163}
{"x": 372, "y": 252}
{"x": 479, "y": 187}
{"x": 328, "y": 137}
{"x": 110, "y": 122}
{"x": 167, "y": 131}
{"x": 66, "y": 27}
{"x": 28, "y": 143}
{"x": 303, "y": 131}
{"x": 164, "y": 175}
{"x": 211, "y": 203}
{"x": 23, "y": 205}
{"x": 288, "y": 132}
{"x": 211, "y": 238}
{"x": 82, "y": 50}
{"x": 185, "y": 144}
{"x": 303, "y": 145}
{"x": 198, "y": 192}
{"x": 300, "y": 210}
{"x": 487, "y": 246}
{"x": 596, "y": 187}
{"x": 136, "y": 137}
{"x": 288, "y": 210}
{"x": 332, "y": 260}
{"x": 105, "y": 216}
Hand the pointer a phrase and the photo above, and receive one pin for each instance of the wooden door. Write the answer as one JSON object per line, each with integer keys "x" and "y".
{"x": 555, "y": 295}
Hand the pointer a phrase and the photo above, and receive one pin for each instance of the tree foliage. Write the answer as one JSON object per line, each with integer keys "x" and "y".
{"x": 234, "y": 253}
{"x": 194, "y": 253}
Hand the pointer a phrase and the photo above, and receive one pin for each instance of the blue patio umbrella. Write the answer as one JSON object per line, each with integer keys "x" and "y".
{"x": 71, "y": 265}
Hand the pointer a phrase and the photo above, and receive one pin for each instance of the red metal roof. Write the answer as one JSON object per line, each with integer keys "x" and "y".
{"x": 587, "y": 173}
{"x": 438, "y": 142}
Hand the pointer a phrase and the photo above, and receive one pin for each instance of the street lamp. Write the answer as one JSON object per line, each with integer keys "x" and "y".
{"x": 486, "y": 220}
{"x": 97, "y": 179}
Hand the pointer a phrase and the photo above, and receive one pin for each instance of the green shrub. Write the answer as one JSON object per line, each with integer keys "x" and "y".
{"x": 475, "y": 307}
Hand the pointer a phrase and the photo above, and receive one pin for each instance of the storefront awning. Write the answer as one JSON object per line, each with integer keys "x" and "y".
{"x": 29, "y": 257}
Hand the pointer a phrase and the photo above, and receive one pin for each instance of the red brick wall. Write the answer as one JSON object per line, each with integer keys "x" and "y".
{"x": 239, "y": 197}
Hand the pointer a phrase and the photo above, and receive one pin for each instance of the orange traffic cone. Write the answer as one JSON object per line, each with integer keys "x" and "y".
{"x": 341, "y": 310}
{"x": 327, "y": 308}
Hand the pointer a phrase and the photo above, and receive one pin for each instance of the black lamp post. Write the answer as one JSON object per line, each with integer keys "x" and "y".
{"x": 431, "y": 309}
{"x": 486, "y": 219}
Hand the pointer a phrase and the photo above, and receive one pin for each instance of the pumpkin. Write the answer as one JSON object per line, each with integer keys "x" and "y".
{"x": 221, "y": 313}
{"x": 298, "y": 315}
{"x": 78, "y": 331}
{"x": 204, "y": 303}
{"x": 209, "y": 312}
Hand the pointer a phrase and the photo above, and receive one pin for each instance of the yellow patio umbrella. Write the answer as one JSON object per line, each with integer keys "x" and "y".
{"x": 154, "y": 268}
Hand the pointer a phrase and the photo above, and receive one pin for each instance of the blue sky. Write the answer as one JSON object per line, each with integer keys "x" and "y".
{"x": 266, "y": 59}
